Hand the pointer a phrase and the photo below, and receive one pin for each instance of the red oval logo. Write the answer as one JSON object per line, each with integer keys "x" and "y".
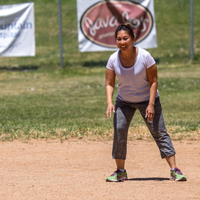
{"x": 100, "y": 21}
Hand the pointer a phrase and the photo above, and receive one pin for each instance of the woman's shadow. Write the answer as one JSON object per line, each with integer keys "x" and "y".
{"x": 148, "y": 179}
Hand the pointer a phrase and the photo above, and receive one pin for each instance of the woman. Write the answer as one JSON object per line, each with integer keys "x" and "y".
{"x": 136, "y": 71}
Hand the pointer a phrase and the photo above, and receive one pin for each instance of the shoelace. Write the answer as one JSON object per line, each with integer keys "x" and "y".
{"x": 115, "y": 172}
{"x": 178, "y": 171}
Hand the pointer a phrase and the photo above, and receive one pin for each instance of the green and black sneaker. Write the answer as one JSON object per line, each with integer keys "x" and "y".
{"x": 177, "y": 175}
{"x": 117, "y": 176}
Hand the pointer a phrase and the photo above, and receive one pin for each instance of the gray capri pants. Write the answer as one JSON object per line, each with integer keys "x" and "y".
{"x": 124, "y": 112}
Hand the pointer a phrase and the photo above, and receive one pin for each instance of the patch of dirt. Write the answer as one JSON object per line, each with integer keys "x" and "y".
{"x": 76, "y": 170}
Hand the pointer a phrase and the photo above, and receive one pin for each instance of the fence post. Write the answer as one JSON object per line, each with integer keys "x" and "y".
{"x": 60, "y": 32}
{"x": 191, "y": 29}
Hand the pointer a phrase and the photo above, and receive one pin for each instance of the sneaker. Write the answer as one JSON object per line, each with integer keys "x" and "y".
{"x": 117, "y": 176}
{"x": 177, "y": 175}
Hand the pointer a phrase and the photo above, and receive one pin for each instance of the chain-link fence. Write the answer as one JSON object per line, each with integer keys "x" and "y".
{"x": 46, "y": 34}
{"x": 172, "y": 24}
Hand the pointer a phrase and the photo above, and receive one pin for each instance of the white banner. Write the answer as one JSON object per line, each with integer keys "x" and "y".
{"x": 98, "y": 20}
{"x": 17, "y": 30}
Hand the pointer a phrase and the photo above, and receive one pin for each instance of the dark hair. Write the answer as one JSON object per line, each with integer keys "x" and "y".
{"x": 126, "y": 27}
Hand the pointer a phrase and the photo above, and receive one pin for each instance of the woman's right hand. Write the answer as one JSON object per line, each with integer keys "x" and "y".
{"x": 109, "y": 110}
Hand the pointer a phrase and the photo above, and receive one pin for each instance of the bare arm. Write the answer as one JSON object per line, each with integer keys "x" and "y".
{"x": 153, "y": 80}
{"x": 110, "y": 84}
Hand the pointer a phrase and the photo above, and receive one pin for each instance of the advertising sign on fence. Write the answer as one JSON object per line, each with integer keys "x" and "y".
{"x": 17, "y": 30}
{"x": 98, "y": 20}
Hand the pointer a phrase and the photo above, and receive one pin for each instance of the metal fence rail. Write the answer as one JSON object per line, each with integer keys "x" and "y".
{"x": 173, "y": 23}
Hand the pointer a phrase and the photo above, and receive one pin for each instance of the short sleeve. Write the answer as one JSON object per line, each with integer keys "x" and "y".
{"x": 149, "y": 60}
{"x": 110, "y": 64}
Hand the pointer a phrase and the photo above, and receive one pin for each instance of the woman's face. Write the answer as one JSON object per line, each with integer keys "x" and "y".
{"x": 124, "y": 40}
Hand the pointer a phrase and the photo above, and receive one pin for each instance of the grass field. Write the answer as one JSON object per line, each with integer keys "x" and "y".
{"x": 72, "y": 102}
{"x": 38, "y": 100}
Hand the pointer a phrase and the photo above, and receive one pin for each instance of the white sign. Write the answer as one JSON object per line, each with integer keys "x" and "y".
{"x": 17, "y": 30}
{"x": 98, "y": 20}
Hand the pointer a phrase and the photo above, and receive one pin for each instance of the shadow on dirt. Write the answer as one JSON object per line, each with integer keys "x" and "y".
{"x": 148, "y": 179}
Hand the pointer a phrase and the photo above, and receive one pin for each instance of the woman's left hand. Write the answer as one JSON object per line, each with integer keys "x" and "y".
{"x": 150, "y": 113}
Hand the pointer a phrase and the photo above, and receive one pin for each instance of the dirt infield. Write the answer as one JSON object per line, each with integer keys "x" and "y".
{"x": 76, "y": 170}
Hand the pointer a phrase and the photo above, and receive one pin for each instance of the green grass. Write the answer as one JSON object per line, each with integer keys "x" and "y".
{"x": 71, "y": 103}
{"x": 38, "y": 100}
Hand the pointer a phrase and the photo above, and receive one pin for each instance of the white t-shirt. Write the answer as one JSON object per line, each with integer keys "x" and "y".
{"x": 133, "y": 84}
